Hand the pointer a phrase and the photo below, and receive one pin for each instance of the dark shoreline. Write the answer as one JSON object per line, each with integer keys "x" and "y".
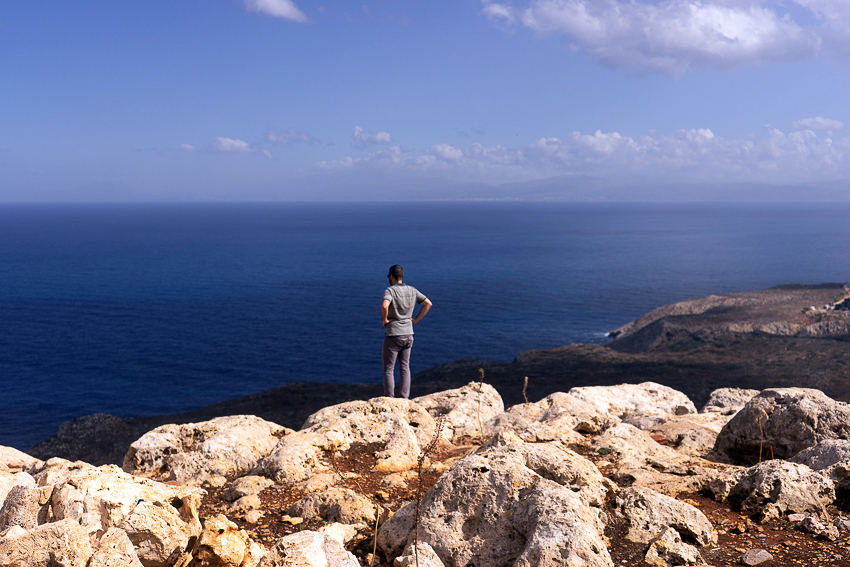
{"x": 679, "y": 346}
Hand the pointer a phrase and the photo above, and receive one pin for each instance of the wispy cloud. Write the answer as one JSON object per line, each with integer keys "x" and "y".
{"x": 672, "y": 36}
{"x": 773, "y": 156}
{"x": 289, "y": 137}
{"x": 278, "y": 9}
{"x": 234, "y": 146}
{"x": 187, "y": 147}
{"x": 362, "y": 139}
{"x": 817, "y": 123}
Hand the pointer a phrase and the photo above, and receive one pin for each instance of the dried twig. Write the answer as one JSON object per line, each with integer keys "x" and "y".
{"x": 524, "y": 386}
{"x": 422, "y": 458}
{"x": 375, "y": 536}
{"x": 480, "y": 389}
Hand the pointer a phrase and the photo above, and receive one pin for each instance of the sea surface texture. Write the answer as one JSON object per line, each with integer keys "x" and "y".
{"x": 156, "y": 309}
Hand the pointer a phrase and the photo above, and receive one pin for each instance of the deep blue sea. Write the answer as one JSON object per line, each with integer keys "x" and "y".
{"x": 148, "y": 309}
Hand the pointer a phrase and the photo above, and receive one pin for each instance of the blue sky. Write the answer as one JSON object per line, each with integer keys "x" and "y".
{"x": 290, "y": 99}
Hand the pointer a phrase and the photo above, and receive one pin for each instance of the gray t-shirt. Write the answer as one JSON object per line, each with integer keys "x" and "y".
{"x": 403, "y": 299}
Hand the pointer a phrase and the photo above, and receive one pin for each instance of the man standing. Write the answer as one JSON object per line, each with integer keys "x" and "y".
{"x": 397, "y": 315}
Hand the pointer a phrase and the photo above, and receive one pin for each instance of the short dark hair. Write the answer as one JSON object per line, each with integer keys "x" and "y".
{"x": 396, "y": 271}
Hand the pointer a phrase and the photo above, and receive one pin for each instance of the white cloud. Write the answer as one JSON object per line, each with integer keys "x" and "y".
{"x": 685, "y": 155}
{"x": 278, "y": 9}
{"x": 231, "y": 146}
{"x": 187, "y": 147}
{"x": 817, "y": 123}
{"x": 672, "y": 36}
{"x": 289, "y": 137}
{"x": 361, "y": 138}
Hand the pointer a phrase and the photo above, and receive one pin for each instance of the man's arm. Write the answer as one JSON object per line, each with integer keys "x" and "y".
{"x": 426, "y": 306}
{"x": 385, "y": 311}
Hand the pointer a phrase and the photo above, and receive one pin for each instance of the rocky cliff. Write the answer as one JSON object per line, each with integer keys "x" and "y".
{"x": 629, "y": 474}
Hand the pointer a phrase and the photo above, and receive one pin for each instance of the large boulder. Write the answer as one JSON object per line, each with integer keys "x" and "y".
{"x": 779, "y": 423}
{"x": 554, "y": 418}
{"x": 159, "y": 519}
{"x": 625, "y": 400}
{"x": 466, "y": 409}
{"x": 211, "y": 452}
{"x": 57, "y": 544}
{"x": 397, "y": 427}
{"x": 648, "y": 514}
{"x": 773, "y": 488}
{"x": 498, "y": 506}
{"x": 308, "y": 549}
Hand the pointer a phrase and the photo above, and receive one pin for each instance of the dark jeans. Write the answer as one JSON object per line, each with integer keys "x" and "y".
{"x": 397, "y": 347}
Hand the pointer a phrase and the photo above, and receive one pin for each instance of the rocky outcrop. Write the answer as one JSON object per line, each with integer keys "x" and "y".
{"x": 211, "y": 452}
{"x": 554, "y": 418}
{"x": 775, "y": 488}
{"x": 57, "y": 544}
{"x": 780, "y": 422}
{"x": 494, "y": 508}
{"x": 160, "y": 520}
{"x": 466, "y": 409}
{"x": 648, "y": 514}
{"x": 399, "y": 427}
{"x": 626, "y": 400}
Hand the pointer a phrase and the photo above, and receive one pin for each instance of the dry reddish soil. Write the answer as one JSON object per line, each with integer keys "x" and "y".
{"x": 737, "y": 533}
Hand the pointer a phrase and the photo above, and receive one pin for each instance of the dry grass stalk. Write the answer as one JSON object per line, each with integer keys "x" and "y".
{"x": 524, "y": 387}
{"x": 422, "y": 458}
{"x": 480, "y": 390}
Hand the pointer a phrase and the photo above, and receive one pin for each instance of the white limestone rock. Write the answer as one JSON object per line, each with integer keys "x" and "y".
{"x": 491, "y": 508}
{"x": 308, "y": 549}
{"x": 781, "y": 422}
{"x": 825, "y": 454}
{"x": 58, "y": 544}
{"x": 335, "y": 505}
{"x": 427, "y": 557}
{"x": 649, "y": 513}
{"x": 554, "y": 418}
{"x": 691, "y": 434}
{"x": 343, "y": 533}
{"x": 624, "y": 400}
{"x": 466, "y": 409}
{"x": 115, "y": 550}
{"x": 728, "y": 401}
{"x": 15, "y": 461}
{"x": 206, "y": 452}
{"x": 774, "y": 488}
{"x": 23, "y": 507}
{"x": 246, "y": 486}
{"x": 223, "y": 544}
{"x": 159, "y": 519}
{"x": 401, "y": 427}
{"x": 668, "y": 549}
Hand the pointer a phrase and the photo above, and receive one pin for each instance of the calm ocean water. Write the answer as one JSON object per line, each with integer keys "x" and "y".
{"x": 155, "y": 309}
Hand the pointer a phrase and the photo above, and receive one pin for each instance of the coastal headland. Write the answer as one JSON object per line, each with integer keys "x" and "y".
{"x": 784, "y": 336}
